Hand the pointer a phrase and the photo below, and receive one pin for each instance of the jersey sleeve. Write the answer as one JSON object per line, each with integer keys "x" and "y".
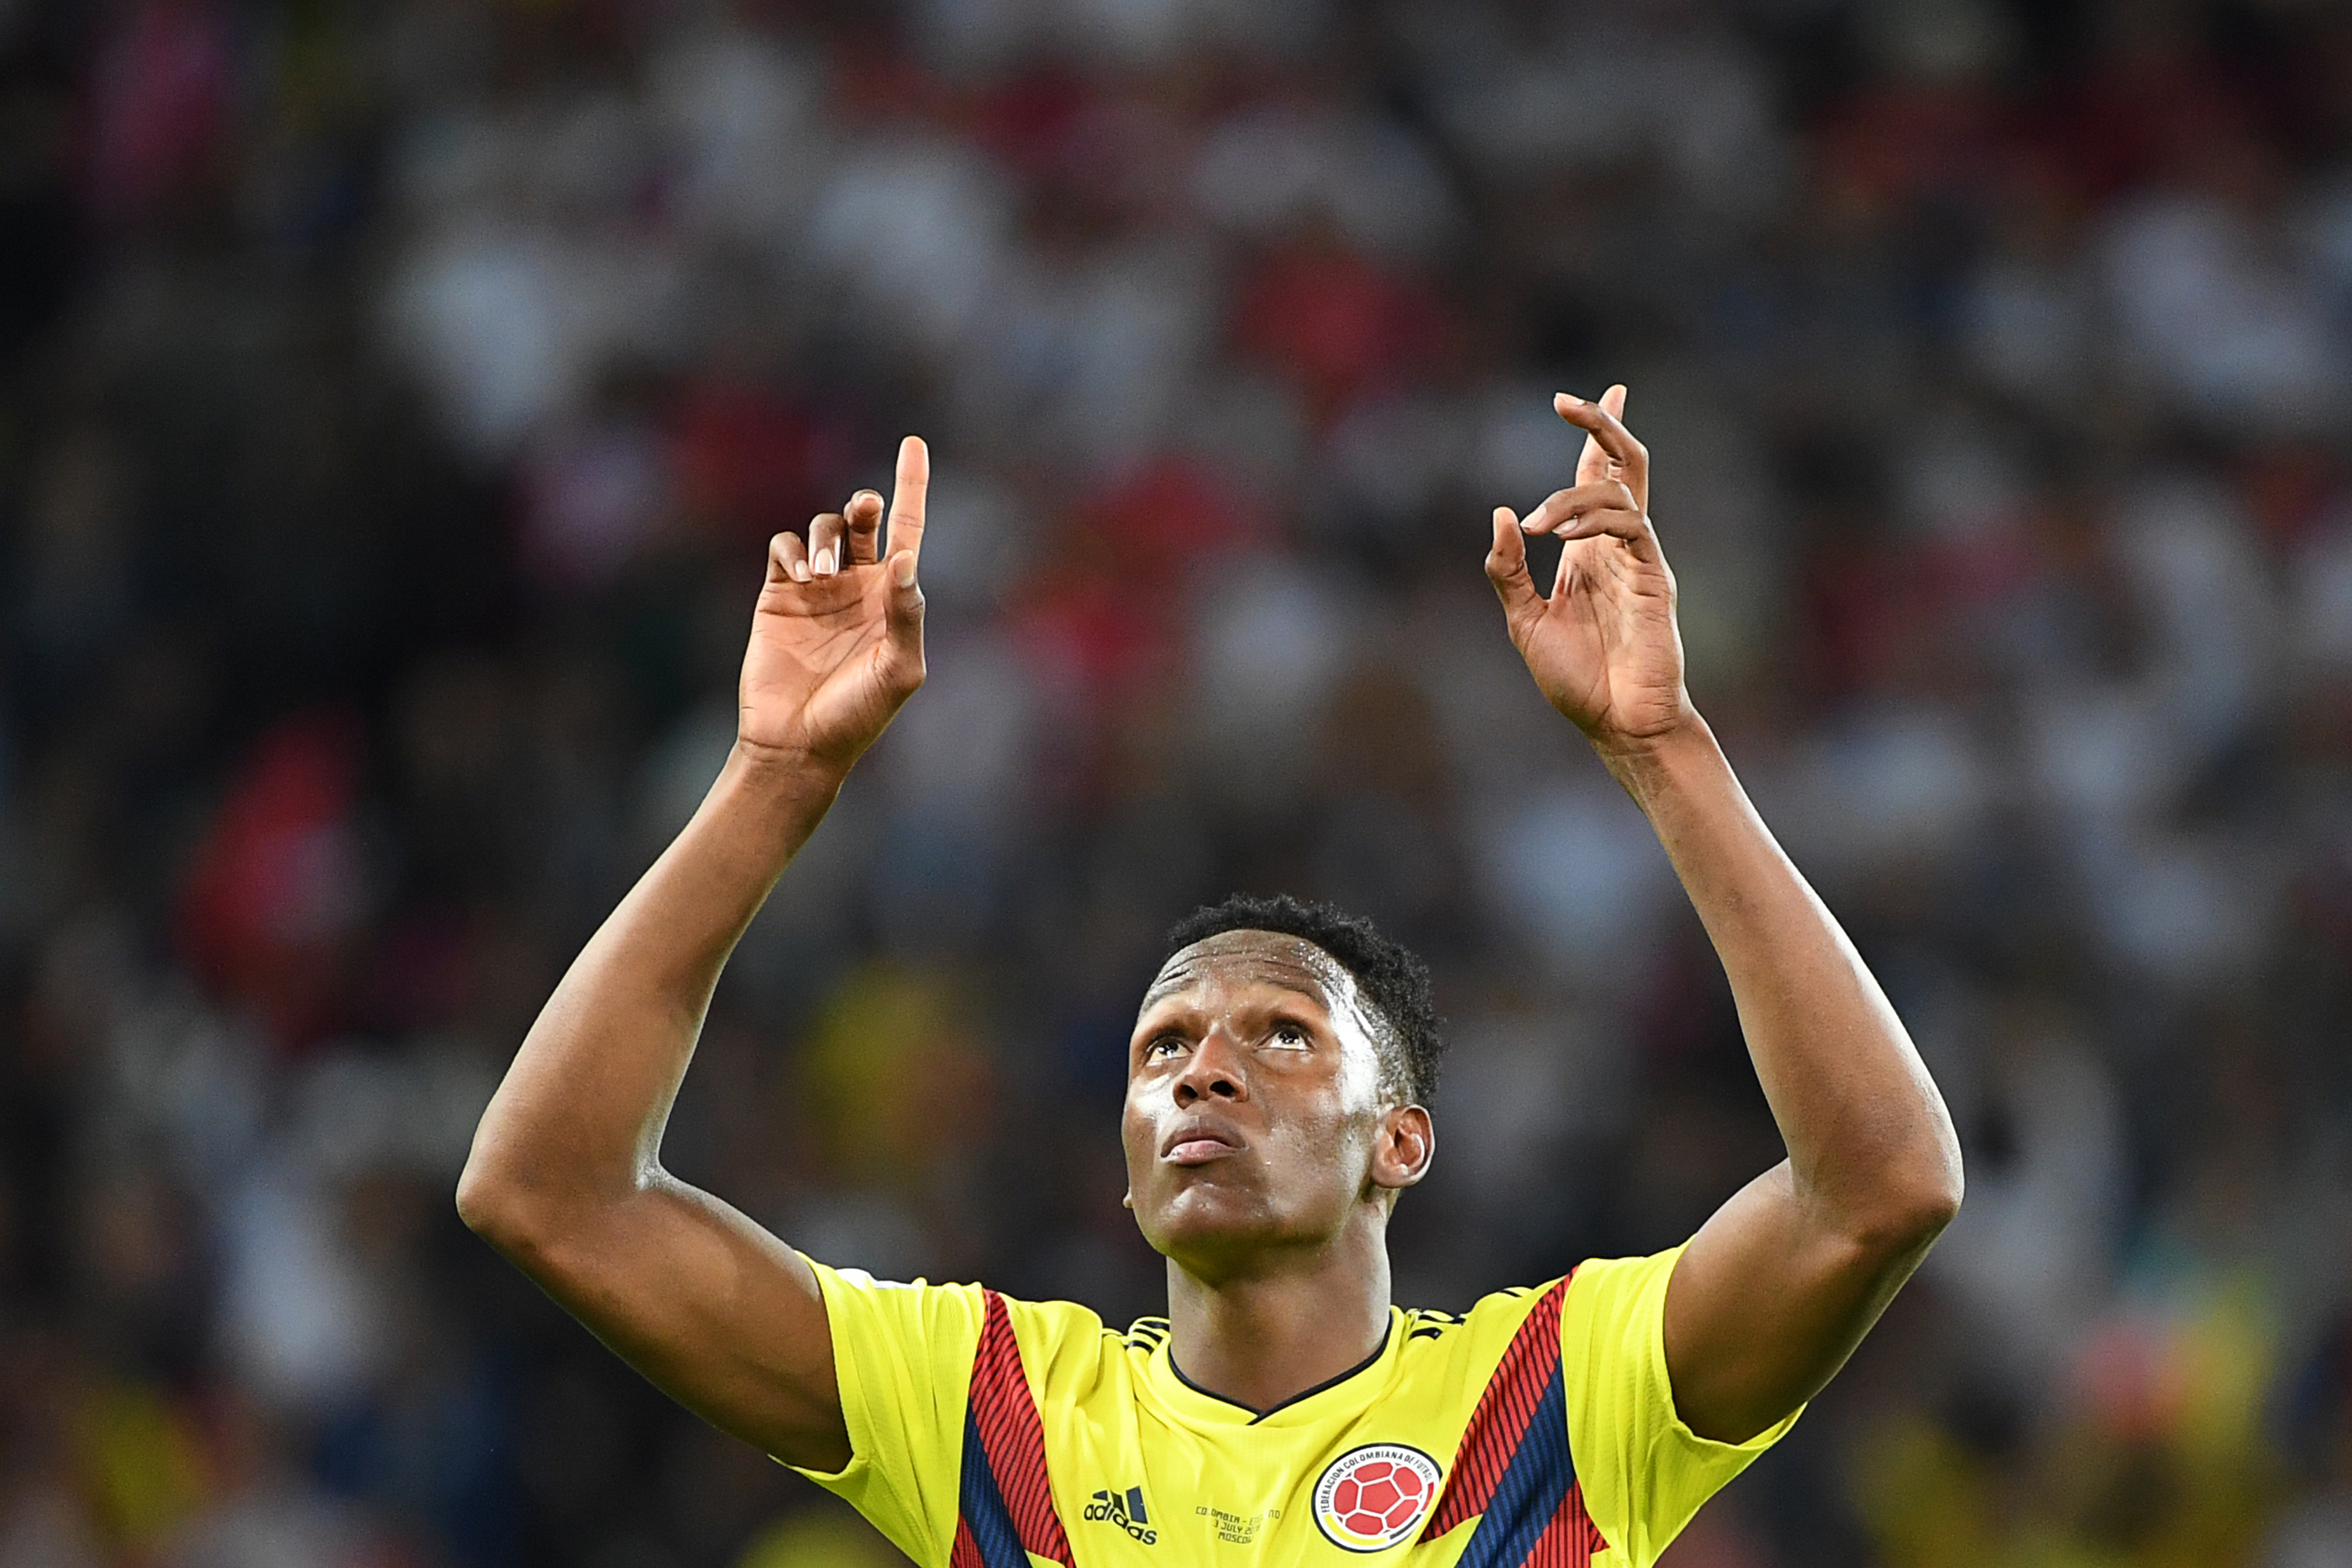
{"x": 1644, "y": 1473}
{"x": 902, "y": 1355}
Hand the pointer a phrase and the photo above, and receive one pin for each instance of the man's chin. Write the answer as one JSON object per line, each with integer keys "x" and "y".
{"x": 1208, "y": 1228}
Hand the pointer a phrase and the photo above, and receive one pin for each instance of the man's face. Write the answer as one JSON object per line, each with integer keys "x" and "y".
{"x": 1259, "y": 1117}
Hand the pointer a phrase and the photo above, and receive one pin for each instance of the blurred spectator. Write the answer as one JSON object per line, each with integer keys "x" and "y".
{"x": 395, "y": 403}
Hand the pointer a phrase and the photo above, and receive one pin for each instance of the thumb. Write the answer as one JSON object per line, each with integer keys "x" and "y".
{"x": 1507, "y": 569}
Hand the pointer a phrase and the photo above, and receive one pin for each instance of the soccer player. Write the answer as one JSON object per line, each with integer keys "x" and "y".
{"x": 1285, "y": 1411}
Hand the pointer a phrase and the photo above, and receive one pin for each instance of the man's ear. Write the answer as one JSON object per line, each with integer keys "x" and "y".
{"x": 1408, "y": 1142}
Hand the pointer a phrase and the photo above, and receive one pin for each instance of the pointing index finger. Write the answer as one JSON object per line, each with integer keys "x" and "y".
{"x": 908, "y": 495}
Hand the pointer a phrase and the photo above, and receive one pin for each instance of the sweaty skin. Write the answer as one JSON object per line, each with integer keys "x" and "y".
{"x": 1774, "y": 1292}
{"x": 1266, "y": 1143}
{"x": 1266, "y": 1146}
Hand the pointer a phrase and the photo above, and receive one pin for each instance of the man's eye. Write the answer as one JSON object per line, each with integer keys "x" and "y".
{"x": 1291, "y": 1034}
{"x": 1166, "y": 1045}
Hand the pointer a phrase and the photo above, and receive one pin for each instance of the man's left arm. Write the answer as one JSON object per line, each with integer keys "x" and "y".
{"x": 1774, "y": 1292}
{"x": 1778, "y": 1288}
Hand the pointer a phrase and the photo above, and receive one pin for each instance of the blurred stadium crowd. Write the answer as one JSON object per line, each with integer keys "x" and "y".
{"x": 393, "y": 400}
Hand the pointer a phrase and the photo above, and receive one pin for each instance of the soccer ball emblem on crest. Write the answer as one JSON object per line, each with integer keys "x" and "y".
{"x": 1371, "y": 1498}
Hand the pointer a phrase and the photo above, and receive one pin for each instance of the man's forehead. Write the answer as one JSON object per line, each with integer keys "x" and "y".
{"x": 1247, "y": 956}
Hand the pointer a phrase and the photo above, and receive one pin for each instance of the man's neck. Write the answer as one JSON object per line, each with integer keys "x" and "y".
{"x": 1262, "y": 1339}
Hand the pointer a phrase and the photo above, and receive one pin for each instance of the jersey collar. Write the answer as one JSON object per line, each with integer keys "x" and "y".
{"x": 1345, "y": 1392}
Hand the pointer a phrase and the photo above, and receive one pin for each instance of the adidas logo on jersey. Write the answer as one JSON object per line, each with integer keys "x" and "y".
{"x": 1126, "y": 1511}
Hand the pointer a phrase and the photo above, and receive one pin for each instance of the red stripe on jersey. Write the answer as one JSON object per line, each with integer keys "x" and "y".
{"x": 1005, "y": 1414}
{"x": 1501, "y": 1418}
{"x": 1571, "y": 1539}
{"x": 965, "y": 1553}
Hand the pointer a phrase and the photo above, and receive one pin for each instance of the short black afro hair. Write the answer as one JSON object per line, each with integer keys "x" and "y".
{"x": 1391, "y": 979}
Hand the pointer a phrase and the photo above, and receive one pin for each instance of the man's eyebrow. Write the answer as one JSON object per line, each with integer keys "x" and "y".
{"x": 1174, "y": 977}
{"x": 1166, "y": 986}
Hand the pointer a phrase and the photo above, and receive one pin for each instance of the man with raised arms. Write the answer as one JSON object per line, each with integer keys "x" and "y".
{"x": 1285, "y": 1411}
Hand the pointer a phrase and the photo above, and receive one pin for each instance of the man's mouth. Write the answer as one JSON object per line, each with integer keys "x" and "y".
{"x": 1197, "y": 1142}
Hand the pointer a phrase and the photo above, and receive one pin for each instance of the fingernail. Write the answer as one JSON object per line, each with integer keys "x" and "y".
{"x": 902, "y": 568}
{"x": 800, "y": 571}
{"x": 822, "y": 563}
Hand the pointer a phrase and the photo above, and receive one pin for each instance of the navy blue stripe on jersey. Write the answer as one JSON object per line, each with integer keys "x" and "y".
{"x": 986, "y": 1538}
{"x": 1532, "y": 1493}
{"x": 1005, "y": 1495}
{"x": 1514, "y": 1472}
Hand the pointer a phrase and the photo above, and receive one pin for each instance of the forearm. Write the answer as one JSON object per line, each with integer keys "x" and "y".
{"x": 1871, "y": 1146}
{"x": 1774, "y": 1291}
{"x": 579, "y": 1117}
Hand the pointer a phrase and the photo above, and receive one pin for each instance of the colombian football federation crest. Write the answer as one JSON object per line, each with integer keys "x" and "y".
{"x": 1371, "y": 1498}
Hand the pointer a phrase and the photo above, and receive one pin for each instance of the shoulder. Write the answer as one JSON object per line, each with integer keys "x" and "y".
{"x": 1466, "y": 1350}
{"x": 1051, "y": 1326}
{"x": 861, "y": 1293}
{"x": 899, "y": 1327}
{"x": 1065, "y": 1349}
{"x": 1497, "y": 1319}
{"x": 946, "y": 1326}
{"x": 1042, "y": 1322}
{"x": 1538, "y": 1321}
{"x": 1608, "y": 1294}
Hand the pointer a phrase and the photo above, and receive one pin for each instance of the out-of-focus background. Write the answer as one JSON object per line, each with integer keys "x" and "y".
{"x": 395, "y": 397}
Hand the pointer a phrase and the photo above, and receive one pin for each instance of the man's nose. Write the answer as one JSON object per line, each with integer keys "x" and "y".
{"x": 1214, "y": 1072}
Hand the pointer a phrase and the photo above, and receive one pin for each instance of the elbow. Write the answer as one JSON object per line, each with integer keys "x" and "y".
{"x": 1950, "y": 1183}
{"x": 1935, "y": 1208}
{"x": 1892, "y": 1218}
{"x": 480, "y": 1204}
{"x": 1918, "y": 1206}
{"x": 495, "y": 1207}
{"x": 537, "y": 1220}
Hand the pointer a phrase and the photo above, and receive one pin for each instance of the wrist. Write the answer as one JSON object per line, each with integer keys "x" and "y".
{"x": 1648, "y": 765}
{"x": 781, "y": 775}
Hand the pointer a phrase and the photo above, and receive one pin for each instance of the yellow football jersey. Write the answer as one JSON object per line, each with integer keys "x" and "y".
{"x": 1538, "y": 1430}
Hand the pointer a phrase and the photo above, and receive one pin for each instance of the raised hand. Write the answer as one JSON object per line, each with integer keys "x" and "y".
{"x": 837, "y": 637}
{"x": 1604, "y": 647}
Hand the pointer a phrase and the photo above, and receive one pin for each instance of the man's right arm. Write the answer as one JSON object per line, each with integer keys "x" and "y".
{"x": 565, "y": 1176}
